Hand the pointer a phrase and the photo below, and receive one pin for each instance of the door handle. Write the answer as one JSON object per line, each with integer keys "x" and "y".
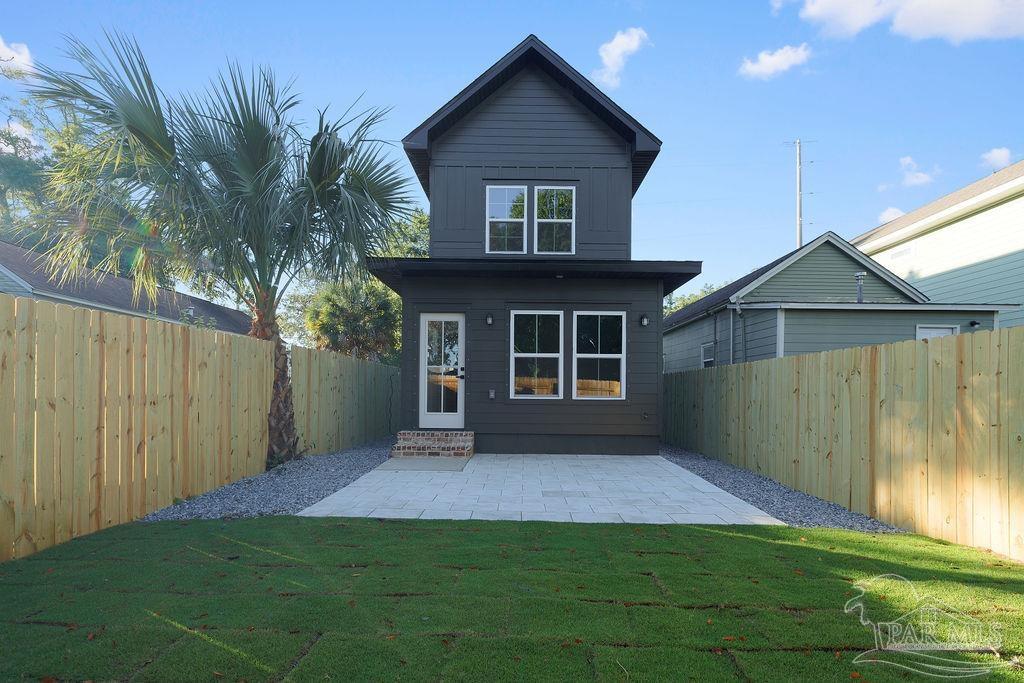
{"x": 462, "y": 373}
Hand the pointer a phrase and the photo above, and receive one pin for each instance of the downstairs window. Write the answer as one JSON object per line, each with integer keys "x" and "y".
{"x": 536, "y": 350}
{"x": 599, "y": 355}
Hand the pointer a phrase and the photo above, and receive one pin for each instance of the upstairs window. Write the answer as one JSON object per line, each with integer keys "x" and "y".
{"x": 707, "y": 355}
{"x": 554, "y": 230}
{"x": 599, "y": 355}
{"x": 506, "y": 219}
{"x": 536, "y": 366}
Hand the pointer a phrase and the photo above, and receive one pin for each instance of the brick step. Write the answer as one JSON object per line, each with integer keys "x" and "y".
{"x": 419, "y": 443}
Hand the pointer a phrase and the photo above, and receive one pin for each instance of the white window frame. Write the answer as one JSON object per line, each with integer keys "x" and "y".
{"x": 512, "y": 355}
{"x": 704, "y": 358}
{"x": 487, "y": 217}
{"x": 954, "y": 328}
{"x": 606, "y": 356}
{"x": 537, "y": 221}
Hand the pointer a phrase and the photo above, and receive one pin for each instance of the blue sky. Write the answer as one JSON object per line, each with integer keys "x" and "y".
{"x": 901, "y": 99}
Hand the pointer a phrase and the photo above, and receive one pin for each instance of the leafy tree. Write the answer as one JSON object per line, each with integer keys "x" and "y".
{"x": 411, "y": 238}
{"x": 329, "y": 327}
{"x": 361, "y": 318}
{"x": 674, "y": 303}
{"x": 22, "y": 166}
{"x": 224, "y": 184}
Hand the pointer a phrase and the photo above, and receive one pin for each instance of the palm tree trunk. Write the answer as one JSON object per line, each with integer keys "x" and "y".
{"x": 283, "y": 443}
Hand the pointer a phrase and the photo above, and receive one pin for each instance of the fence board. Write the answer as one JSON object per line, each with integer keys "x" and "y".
{"x": 927, "y": 435}
{"x": 99, "y": 411}
{"x": 341, "y": 401}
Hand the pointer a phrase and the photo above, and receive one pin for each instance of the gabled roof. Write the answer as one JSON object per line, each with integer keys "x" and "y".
{"x": 109, "y": 292}
{"x": 964, "y": 194}
{"x": 736, "y": 290}
{"x": 532, "y": 51}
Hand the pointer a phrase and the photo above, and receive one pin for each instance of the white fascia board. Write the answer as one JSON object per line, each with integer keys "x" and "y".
{"x": 948, "y": 215}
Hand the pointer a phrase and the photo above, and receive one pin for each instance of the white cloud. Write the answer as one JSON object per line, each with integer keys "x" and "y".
{"x": 14, "y": 55}
{"x": 913, "y": 175}
{"x": 890, "y": 214}
{"x": 845, "y": 18}
{"x": 771, "y": 64}
{"x": 614, "y": 54}
{"x": 953, "y": 20}
{"x": 996, "y": 158}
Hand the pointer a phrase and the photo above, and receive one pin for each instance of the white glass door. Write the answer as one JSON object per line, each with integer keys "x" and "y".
{"x": 442, "y": 370}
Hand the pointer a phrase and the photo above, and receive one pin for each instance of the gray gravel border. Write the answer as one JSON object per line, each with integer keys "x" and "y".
{"x": 284, "y": 490}
{"x": 795, "y": 508}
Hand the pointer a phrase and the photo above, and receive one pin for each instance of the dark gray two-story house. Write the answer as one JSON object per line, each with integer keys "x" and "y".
{"x": 529, "y": 325}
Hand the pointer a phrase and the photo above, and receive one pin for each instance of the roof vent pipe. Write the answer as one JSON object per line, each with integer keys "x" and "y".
{"x": 859, "y": 277}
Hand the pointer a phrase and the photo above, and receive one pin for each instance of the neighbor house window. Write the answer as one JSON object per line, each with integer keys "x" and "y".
{"x": 506, "y": 219}
{"x": 599, "y": 355}
{"x": 931, "y": 331}
{"x": 554, "y": 230}
{"x": 536, "y": 349}
{"x": 707, "y": 355}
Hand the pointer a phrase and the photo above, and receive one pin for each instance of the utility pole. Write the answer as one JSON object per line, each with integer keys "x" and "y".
{"x": 799, "y": 200}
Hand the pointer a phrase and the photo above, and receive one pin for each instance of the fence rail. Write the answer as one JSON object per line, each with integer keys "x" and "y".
{"x": 342, "y": 402}
{"x": 105, "y": 418}
{"x": 926, "y": 435}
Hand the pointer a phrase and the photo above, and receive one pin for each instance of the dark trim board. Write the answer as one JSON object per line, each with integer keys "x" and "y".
{"x": 671, "y": 274}
{"x": 567, "y": 444}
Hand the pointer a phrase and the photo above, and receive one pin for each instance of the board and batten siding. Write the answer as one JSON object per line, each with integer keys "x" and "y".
{"x": 825, "y": 274}
{"x": 566, "y": 425}
{"x": 754, "y": 337}
{"x": 976, "y": 259}
{"x": 531, "y": 131}
{"x": 811, "y": 331}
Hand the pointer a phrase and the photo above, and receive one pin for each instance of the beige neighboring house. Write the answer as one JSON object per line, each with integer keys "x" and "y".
{"x": 967, "y": 246}
{"x": 22, "y": 273}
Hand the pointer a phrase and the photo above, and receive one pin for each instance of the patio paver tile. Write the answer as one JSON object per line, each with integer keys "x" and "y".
{"x": 583, "y": 488}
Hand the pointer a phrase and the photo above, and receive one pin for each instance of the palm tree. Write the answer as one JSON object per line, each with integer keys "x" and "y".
{"x": 223, "y": 185}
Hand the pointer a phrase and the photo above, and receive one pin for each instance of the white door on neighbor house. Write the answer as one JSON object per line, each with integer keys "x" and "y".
{"x": 442, "y": 370}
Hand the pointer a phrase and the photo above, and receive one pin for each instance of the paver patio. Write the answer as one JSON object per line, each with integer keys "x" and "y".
{"x": 551, "y": 488}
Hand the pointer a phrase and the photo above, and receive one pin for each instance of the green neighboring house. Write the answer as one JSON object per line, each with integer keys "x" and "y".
{"x": 824, "y": 295}
{"x": 965, "y": 246}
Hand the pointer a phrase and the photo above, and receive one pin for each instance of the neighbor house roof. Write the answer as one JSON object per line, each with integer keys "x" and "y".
{"x": 532, "y": 51}
{"x": 391, "y": 271}
{"x": 26, "y": 269}
{"x": 980, "y": 192}
{"x": 734, "y": 291}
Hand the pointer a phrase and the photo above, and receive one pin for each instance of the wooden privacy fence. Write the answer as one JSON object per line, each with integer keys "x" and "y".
{"x": 105, "y": 418}
{"x": 341, "y": 401}
{"x": 926, "y": 435}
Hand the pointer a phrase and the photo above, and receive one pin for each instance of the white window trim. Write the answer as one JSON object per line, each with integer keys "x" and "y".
{"x": 512, "y": 355}
{"x": 703, "y": 358}
{"x": 917, "y": 330}
{"x": 538, "y": 221}
{"x": 487, "y": 217}
{"x": 621, "y": 356}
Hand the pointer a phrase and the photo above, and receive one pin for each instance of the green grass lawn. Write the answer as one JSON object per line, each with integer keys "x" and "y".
{"x": 347, "y": 599}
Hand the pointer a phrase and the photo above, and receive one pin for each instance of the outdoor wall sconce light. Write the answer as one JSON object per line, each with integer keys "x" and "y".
{"x": 644, "y": 320}
{"x": 489, "y": 319}
{"x": 975, "y": 323}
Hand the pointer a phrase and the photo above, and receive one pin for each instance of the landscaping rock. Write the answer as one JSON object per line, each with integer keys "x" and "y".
{"x": 795, "y": 508}
{"x": 284, "y": 490}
